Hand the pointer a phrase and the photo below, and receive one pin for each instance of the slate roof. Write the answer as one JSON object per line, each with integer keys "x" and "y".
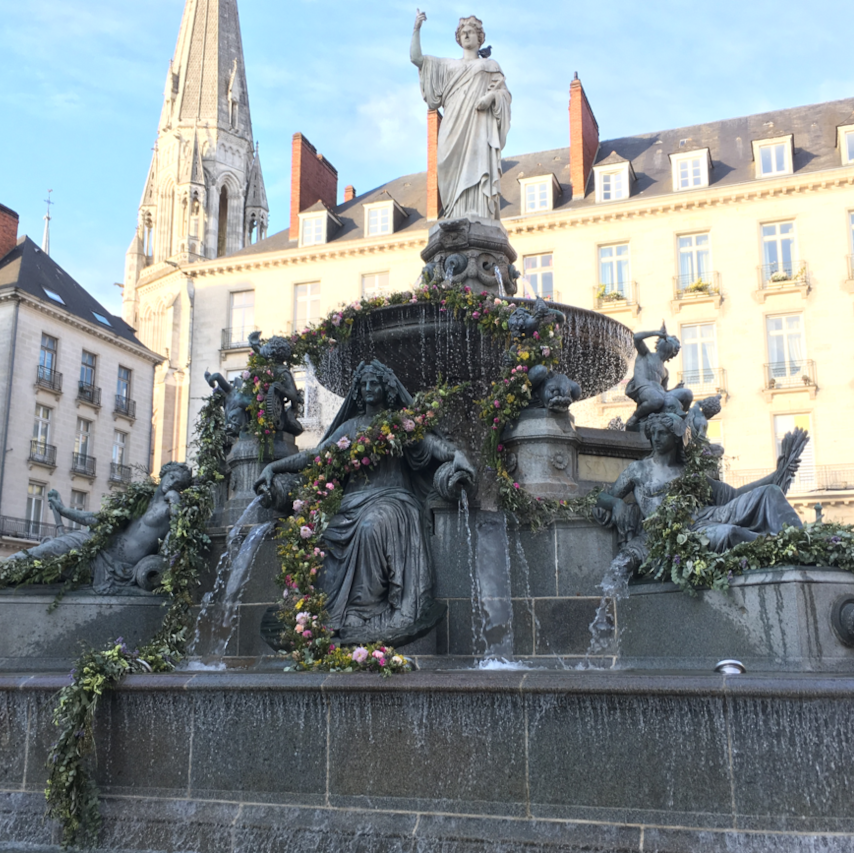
{"x": 729, "y": 143}
{"x": 29, "y": 269}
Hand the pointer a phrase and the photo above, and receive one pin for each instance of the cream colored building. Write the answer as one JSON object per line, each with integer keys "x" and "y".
{"x": 739, "y": 234}
{"x": 75, "y": 385}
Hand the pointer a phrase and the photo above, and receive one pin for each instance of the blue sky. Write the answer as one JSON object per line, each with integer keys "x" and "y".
{"x": 83, "y": 84}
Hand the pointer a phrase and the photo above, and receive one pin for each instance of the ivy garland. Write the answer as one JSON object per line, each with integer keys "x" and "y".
{"x": 681, "y": 555}
{"x": 72, "y": 796}
{"x": 509, "y": 394}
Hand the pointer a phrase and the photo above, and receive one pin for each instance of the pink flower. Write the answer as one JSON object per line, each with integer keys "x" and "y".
{"x": 305, "y": 531}
{"x": 496, "y": 420}
{"x": 343, "y": 443}
{"x": 475, "y": 315}
{"x": 298, "y": 505}
{"x": 366, "y": 461}
{"x": 515, "y": 485}
{"x": 496, "y": 404}
{"x": 536, "y": 336}
{"x": 336, "y": 320}
{"x": 408, "y": 425}
{"x": 302, "y": 618}
{"x": 260, "y": 398}
{"x": 307, "y": 634}
{"x": 500, "y": 448}
{"x": 245, "y": 374}
{"x": 356, "y": 463}
{"x": 546, "y": 351}
{"x": 266, "y": 432}
{"x": 330, "y": 486}
{"x": 360, "y": 655}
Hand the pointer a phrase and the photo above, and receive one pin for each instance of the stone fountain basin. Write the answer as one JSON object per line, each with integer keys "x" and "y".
{"x": 424, "y": 345}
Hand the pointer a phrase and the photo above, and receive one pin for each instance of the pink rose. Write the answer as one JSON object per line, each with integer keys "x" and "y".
{"x": 305, "y": 531}
{"x": 408, "y": 425}
{"x": 360, "y": 655}
{"x": 366, "y": 461}
{"x": 298, "y": 505}
{"x": 343, "y": 443}
{"x": 330, "y": 486}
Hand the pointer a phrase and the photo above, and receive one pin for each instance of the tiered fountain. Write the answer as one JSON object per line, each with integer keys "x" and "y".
{"x": 561, "y": 742}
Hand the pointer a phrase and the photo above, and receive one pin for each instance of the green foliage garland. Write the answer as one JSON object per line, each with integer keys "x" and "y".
{"x": 316, "y": 501}
{"x": 682, "y": 555}
{"x": 72, "y": 796}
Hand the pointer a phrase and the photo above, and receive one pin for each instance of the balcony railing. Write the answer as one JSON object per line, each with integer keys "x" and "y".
{"x": 697, "y": 287}
{"x": 705, "y": 381}
{"x": 782, "y": 274}
{"x": 42, "y": 453}
{"x": 790, "y": 374}
{"x": 814, "y": 478}
{"x": 615, "y": 296}
{"x": 89, "y": 393}
{"x": 83, "y": 464}
{"x": 23, "y": 528}
{"x": 125, "y": 406}
{"x": 47, "y": 378}
{"x": 119, "y": 473}
{"x": 237, "y": 338}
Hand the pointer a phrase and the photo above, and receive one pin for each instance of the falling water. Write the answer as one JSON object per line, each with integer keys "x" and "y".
{"x": 217, "y": 618}
{"x": 614, "y": 586}
{"x": 501, "y": 292}
{"x": 478, "y": 621}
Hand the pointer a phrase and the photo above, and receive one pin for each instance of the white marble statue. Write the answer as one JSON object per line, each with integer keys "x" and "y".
{"x": 475, "y": 120}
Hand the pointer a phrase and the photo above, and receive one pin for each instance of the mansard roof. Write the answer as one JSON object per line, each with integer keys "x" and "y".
{"x": 29, "y": 269}
{"x": 729, "y": 143}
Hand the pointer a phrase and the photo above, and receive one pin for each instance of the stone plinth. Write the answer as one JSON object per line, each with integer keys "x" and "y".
{"x": 776, "y": 620}
{"x": 545, "y": 762}
{"x": 244, "y": 468}
{"x": 542, "y": 453}
{"x": 468, "y": 252}
{"x": 33, "y": 639}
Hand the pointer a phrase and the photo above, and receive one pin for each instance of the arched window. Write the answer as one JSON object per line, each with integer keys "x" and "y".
{"x": 222, "y": 224}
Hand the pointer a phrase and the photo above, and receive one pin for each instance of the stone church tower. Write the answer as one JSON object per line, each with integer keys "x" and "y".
{"x": 204, "y": 196}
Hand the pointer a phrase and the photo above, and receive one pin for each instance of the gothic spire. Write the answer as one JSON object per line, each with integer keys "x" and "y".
{"x": 206, "y": 80}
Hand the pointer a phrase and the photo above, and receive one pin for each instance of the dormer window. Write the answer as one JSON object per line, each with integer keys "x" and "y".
{"x": 317, "y": 225}
{"x": 379, "y": 219}
{"x": 614, "y": 175}
{"x": 539, "y": 193}
{"x": 773, "y": 156}
{"x": 312, "y": 229}
{"x": 690, "y": 169}
{"x": 384, "y": 216}
{"x": 846, "y": 143}
{"x": 53, "y": 295}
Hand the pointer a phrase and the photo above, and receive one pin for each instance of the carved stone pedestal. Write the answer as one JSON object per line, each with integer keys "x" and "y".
{"x": 542, "y": 450}
{"x": 468, "y": 251}
{"x": 244, "y": 468}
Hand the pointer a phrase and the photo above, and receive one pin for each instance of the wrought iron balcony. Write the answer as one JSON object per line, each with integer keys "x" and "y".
{"x": 23, "y": 528}
{"x": 47, "y": 378}
{"x": 120, "y": 473}
{"x": 814, "y": 478}
{"x": 237, "y": 338}
{"x": 42, "y": 453}
{"x": 781, "y": 274}
{"x": 615, "y": 296}
{"x": 790, "y": 374}
{"x": 697, "y": 286}
{"x": 617, "y": 394}
{"x": 83, "y": 464}
{"x": 89, "y": 394}
{"x": 125, "y": 406}
{"x": 705, "y": 381}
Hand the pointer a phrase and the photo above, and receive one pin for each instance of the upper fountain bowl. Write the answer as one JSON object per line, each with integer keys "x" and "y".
{"x": 425, "y": 345}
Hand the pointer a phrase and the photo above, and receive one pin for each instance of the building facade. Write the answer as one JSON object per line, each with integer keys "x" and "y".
{"x": 739, "y": 234}
{"x": 76, "y": 389}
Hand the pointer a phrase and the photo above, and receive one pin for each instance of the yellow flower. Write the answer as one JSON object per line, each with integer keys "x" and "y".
{"x": 511, "y": 398}
{"x": 298, "y": 605}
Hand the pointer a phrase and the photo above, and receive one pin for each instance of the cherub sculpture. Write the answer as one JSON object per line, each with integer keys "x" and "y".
{"x": 284, "y": 401}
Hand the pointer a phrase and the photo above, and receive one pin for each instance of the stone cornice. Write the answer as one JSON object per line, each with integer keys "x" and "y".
{"x": 633, "y": 208}
{"x": 14, "y": 294}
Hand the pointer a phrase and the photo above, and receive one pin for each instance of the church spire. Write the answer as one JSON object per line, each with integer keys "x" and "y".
{"x": 206, "y": 80}
{"x": 204, "y": 195}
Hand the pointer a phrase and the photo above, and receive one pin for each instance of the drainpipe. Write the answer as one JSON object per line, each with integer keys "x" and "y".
{"x": 9, "y": 397}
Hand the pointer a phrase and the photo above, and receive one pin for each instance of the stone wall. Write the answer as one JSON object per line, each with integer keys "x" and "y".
{"x": 540, "y": 761}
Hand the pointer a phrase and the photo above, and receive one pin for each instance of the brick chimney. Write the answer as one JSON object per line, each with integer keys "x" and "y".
{"x": 8, "y": 230}
{"x": 349, "y": 192}
{"x": 434, "y": 202}
{"x": 583, "y": 138}
{"x": 313, "y": 178}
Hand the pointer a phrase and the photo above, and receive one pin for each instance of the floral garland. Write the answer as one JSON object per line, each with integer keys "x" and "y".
{"x": 72, "y": 796}
{"x": 681, "y": 555}
{"x": 317, "y": 499}
{"x": 509, "y": 394}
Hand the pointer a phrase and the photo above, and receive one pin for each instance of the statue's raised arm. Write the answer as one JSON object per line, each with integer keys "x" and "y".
{"x": 476, "y": 103}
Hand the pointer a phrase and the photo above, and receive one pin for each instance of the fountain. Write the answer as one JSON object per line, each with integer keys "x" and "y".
{"x": 561, "y": 704}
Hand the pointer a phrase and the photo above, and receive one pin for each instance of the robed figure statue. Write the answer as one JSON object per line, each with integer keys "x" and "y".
{"x": 377, "y": 572}
{"x": 475, "y": 120}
